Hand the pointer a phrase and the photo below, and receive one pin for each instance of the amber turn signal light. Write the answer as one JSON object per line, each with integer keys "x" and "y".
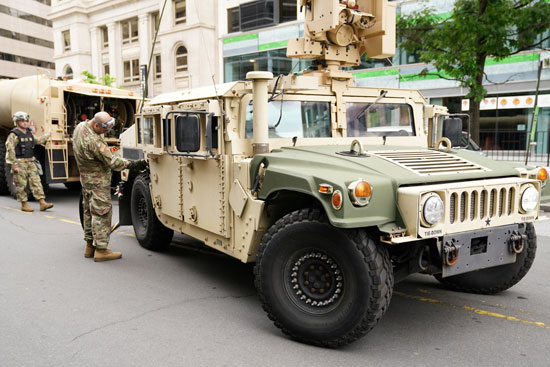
{"x": 360, "y": 192}
{"x": 337, "y": 200}
{"x": 542, "y": 174}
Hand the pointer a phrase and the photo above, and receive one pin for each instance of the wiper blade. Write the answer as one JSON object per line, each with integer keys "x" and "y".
{"x": 369, "y": 106}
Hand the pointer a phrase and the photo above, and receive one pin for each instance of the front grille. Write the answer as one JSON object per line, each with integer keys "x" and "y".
{"x": 477, "y": 204}
{"x": 430, "y": 162}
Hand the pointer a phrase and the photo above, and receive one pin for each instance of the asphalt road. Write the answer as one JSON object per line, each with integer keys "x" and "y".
{"x": 192, "y": 307}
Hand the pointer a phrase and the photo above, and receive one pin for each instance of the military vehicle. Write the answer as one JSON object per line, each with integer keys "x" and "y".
{"x": 58, "y": 106}
{"x": 334, "y": 191}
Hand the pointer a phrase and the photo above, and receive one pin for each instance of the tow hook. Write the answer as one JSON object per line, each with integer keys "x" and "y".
{"x": 517, "y": 242}
{"x": 451, "y": 253}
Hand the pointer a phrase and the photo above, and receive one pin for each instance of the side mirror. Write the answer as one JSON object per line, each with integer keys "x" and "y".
{"x": 188, "y": 137}
{"x": 452, "y": 129}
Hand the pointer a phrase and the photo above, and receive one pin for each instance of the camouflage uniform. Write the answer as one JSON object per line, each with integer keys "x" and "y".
{"x": 95, "y": 162}
{"x": 27, "y": 171}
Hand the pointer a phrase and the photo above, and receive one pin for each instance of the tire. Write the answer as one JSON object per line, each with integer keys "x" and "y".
{"x": 499, "y": 278}
{"x": 150, "y": 232}
{"x": 356, "y": 271}
{"x": 4, "y": 190}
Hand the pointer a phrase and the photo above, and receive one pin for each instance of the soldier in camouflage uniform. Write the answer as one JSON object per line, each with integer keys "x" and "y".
{"x": 95, "y": 162}
{"x": 20, "y": 155}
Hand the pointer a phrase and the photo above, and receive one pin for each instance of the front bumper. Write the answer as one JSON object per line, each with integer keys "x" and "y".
{"x": 474, "y": 250}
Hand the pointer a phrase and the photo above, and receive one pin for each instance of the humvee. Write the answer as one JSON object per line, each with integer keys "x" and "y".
{"x": 334, "y": 191}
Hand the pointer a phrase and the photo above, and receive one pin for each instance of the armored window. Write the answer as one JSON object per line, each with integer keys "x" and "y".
{"x": 180, "y": 16}
{"x": 288, "y": 119}
{"x": 130, "y": 31}
{"x": 181, "y": 59}
{"x": 66, "y": 40}
{"x": 380, "y": 119}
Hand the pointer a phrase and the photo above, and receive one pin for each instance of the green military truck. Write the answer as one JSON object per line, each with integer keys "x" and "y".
{"x": 334, "y": 191}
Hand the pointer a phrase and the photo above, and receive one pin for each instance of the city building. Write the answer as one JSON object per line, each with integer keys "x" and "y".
{"x": 254, "y": 34}
{"x": 116, "y": 37}
{"x": 26, "y": 38}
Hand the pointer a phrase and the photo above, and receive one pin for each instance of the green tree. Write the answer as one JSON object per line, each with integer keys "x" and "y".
{"x": 108, "y": 80}
{"x": 90, "y": 78}
{"x": 458, "y": 45}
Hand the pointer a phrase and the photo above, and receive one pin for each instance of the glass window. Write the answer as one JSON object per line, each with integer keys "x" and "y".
{"x": 66, "y": 40}
{"x": 275, "y": 61}
{"x": 287, "y": 12}
{"x": 105, "y": 37}
{"x": 158, "y": 71}
{"x": 68, "y": 72}
{"x": 130, "y": 31}
{"x": 131, "y": 71}
{"x": 181, "y": 59}
{"x": 233, "y": 23}
{"x": 148, "y": 123}
{"x": 179, "y": 12}
{"x": 155, "y": 22}
{"x": 288, "y": 119}
{"x": 381, "y": 119}
{"x": 257, "y": 14}
{"x": 106, "y": 69}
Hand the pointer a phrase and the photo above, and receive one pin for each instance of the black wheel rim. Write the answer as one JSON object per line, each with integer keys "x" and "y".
{"x": 314, "y": 281}
{"x": 142, "y": 211}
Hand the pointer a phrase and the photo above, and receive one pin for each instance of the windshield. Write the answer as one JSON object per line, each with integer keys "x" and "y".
{"x": 381, "y": 119}
{"x": 295, "y": 118}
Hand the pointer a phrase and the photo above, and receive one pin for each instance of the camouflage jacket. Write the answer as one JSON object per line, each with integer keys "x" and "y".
{"x": 94, "y": 157}
{"x": 13, "y": 141}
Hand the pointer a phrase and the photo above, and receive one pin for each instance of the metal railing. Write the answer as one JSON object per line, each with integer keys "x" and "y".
{"x": 511, "y": 145}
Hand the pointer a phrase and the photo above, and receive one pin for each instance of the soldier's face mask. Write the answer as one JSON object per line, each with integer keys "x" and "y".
{"x": 107, "y": 125}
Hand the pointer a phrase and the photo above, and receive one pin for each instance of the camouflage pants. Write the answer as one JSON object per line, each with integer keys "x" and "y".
{"x": 98, "y": 211}
{"x": 27, "y": 173}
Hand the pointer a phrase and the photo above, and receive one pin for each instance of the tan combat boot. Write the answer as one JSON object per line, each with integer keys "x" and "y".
{"x": 25, "y": 207}
{"x": 89, "y": 249}
{"x": 106, "y": 255}
{"x": 45, "y": 205}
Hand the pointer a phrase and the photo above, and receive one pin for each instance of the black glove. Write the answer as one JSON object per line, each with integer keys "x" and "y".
{"x": 138, "y": 165}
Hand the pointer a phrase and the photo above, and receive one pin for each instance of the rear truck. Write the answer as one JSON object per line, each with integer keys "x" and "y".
{"x": 58, "y": 106}
{"x": 335, "y": 191}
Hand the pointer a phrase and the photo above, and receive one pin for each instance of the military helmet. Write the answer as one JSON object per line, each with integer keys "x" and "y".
{"x": 20, "y": 116}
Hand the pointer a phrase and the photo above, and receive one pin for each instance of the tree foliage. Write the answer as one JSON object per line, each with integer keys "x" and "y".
{"x": 459, "y": 44}
{"x": 106, "y": 80}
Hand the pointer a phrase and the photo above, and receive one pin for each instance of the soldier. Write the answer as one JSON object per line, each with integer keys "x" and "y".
{"x": 20, "y": 155}
{"x": 95, "y": 162}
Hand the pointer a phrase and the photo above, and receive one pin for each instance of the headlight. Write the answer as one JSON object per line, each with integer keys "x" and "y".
{"x": 433, "y": 209}
{"x": 529, "y": 199}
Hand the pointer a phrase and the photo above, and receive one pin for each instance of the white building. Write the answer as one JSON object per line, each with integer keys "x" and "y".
{"x": 26, "y": 38}
{"x": 115, "y": 37}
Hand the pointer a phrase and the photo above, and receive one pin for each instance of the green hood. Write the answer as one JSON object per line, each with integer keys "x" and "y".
{"x": 386, "y": 168}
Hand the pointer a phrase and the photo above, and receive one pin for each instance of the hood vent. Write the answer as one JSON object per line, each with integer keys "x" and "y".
{"x": 430, "y": 162}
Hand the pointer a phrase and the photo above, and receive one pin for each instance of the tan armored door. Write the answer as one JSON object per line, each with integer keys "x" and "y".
{"x": 204, "y": 200}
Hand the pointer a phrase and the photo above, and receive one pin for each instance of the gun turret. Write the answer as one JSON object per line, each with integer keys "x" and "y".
{"x": 338, "y": 32}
